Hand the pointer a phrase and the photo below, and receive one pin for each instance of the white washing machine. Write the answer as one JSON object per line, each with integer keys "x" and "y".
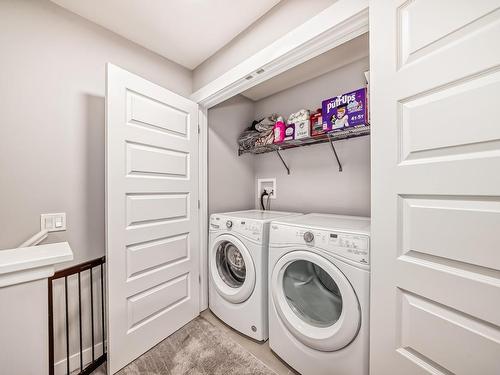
{"x": 319, "y": 283}
{"x": 238, "y": 261}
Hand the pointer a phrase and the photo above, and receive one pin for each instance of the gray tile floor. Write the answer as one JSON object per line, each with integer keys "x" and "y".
{"x": 249, "y": 347}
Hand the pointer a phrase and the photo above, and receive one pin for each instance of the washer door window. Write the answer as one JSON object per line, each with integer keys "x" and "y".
{"x": 232, "y": 269}
{"x": 230, "y": 264}
{"x": 315, "y": 301}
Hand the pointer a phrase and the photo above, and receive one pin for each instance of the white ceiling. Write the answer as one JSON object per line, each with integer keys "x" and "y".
{"x": 184, "y": 31}
{"x": 333, "y": 59}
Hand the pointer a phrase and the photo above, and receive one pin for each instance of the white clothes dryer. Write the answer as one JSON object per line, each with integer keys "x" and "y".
{"x": 319, "y": 283}
{"x": 238, "y": 261}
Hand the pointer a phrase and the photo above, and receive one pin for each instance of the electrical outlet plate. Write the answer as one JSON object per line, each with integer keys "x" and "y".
{"x": 268, "y": 184}
{"x": 53, "y": 222}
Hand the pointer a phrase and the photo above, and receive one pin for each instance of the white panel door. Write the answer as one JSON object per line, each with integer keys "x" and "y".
{"x": 152, "y": 214}
{"x": 435, "y": 102}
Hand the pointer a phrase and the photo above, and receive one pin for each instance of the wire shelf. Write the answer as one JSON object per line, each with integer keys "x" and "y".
{"x": 329, "y": 137}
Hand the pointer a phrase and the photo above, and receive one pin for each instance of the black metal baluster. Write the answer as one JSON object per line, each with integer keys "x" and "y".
{"x": 102, "y": 306}
{"x": 51, "y": 328}
{"x": 67, "y": 323}
{"x": 80, "y": 319}
{"x": 92, "y": 312}
{"x": 77, "y": 269}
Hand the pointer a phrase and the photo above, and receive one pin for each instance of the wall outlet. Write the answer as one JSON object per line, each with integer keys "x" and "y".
{"x": 53, "y": 222}
{"x": 266, "y": 184}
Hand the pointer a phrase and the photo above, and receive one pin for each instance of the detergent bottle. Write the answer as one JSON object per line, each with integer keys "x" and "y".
{"x": 279, "y": 130}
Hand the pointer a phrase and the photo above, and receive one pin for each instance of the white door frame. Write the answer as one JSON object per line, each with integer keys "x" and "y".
{"x": 337, "y": 24}
{"x": 203, "y": 199}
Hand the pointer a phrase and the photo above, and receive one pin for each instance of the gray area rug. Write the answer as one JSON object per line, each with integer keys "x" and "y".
{"x": 197, "y": 348}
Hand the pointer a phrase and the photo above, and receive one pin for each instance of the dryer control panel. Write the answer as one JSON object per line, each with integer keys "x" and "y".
{"x": 249, "y": 228}
{"x": 352, "y": 246}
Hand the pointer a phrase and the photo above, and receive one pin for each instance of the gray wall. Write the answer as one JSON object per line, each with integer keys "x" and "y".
{"x": 284, "y": 17}
{"x": 315, "y": 184}
{"x": 231, "y": 180}
{"x": 52, "y": 81}
{"x": 24, "y": 340}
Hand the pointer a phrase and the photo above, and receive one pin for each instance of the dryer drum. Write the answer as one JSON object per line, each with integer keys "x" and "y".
{"x": 326, "y": 280}
{"x": 312, "y": 294}
{"x": 230, "y": 264}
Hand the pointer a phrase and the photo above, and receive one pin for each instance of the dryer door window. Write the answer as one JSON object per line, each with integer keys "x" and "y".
{"x": 315, "y": 301}
{"x": 230, "y": 264}
{"x": 231, "y": 269}
{"x": 312, "y": 293}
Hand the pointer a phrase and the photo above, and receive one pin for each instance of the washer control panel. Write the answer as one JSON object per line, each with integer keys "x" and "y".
{"x": 352, "y": 246}
{"x": 248, "y": 228}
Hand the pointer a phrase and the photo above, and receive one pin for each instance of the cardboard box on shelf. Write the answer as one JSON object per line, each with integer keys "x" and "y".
{"x": 345, "y": 111}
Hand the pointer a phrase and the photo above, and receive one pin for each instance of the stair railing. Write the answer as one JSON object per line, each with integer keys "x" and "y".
{"x": 85, "y": 365}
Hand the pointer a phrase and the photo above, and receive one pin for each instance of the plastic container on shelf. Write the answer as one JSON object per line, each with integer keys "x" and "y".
{"x": 279, "y": 130}
{"x": 318, "y": 127}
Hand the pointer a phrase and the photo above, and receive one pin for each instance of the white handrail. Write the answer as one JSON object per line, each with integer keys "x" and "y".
{"x": 31, "y": 263}
{"x": 35, "y": 239}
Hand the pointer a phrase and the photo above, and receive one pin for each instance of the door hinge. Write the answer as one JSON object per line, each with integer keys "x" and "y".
{"x": 199, "y": 129}
{"x": 199, "y": 279}
{"x": 199, "y": 204}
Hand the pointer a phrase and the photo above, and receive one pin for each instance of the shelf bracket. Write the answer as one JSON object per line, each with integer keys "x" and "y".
{"x": 335, "y": 153}
{"x": 283, "y": 161}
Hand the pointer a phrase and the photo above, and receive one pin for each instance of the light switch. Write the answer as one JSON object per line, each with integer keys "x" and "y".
{"x": 58, "y": 222}
{"x": 49, "y": 222}
{"x": 53, "y": 222}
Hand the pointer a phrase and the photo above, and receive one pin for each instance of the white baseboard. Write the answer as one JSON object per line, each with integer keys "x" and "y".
{"x": 74, "y": 360}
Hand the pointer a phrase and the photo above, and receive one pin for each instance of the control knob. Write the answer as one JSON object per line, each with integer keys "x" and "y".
{"x": 308, "y": 237}
{"x": 229, "y": 224}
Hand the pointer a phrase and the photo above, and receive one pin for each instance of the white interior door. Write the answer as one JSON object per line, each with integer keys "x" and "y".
{"x": 152, "y": 214}
{"x": 435, "y": 301}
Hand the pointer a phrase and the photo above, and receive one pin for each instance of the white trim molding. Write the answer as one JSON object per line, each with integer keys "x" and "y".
{"x": 203, "y": 212}
{"x": 339, "y": 23}
{"x": 74, "y": 360}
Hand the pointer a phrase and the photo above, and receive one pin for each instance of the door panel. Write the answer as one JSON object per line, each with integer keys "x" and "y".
{"x": 447, "y": 328}
{"x": 426, "y": 26}
{"x": 476, "y": 97}
{"x": 150, "y": 255}
{"x": 435, "y": 187}
{"x": 152, "y": 214}
{"x": 158, "y": 116}
{"x": 147, "y": 208}
{"x": 154, "y": 161}
{"x": 460, "y": 221}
